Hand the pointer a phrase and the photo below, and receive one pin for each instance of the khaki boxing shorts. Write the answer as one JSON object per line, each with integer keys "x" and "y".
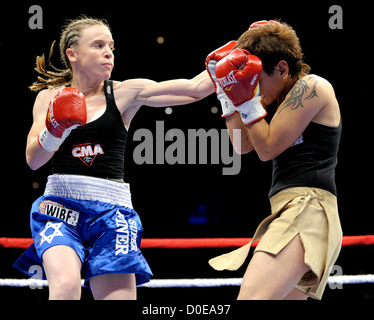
{"x": 312, "y": 214}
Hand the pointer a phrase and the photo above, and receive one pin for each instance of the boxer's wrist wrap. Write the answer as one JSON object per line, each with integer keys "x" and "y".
{"x": 228, "y": 109}
{"x": 49, "y": 142}
{"x": 252, "y": 111}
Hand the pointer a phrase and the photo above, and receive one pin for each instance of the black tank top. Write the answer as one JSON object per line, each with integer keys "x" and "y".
{"x": 309, "y": 162}
{"x": 96, "y": 149}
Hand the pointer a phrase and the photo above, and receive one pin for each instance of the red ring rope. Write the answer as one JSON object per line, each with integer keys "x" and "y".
{"x": 192, "y": 243}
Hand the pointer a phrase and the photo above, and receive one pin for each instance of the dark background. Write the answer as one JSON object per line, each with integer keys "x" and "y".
{"x": 192, "y": 200}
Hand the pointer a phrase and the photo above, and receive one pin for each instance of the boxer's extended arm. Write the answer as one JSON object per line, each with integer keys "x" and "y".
{"x": 175, "y": 92}
{"x": 130, "y": 95}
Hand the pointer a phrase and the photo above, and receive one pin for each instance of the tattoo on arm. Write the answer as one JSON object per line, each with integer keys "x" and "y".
{"x": 296, "y": 95}
{"x": 313, "y": 93}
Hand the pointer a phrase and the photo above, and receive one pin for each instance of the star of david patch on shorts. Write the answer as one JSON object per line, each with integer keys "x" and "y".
{"x": 48, "y": 235}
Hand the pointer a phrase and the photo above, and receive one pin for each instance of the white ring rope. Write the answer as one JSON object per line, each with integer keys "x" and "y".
{"x": 188, "y": 283}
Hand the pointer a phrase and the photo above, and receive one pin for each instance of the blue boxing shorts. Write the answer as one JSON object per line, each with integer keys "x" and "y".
{"x": 96, "y": 219}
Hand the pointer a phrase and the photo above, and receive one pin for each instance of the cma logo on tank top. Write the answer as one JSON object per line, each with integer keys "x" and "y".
{"x": 98, "y": 148}
{"x": 87, "y": 152}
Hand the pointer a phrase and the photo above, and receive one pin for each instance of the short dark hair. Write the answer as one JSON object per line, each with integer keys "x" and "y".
{"x": 273, "y": 42}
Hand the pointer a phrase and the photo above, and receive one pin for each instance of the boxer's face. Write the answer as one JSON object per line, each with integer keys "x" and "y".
{"x": 93, "y": 56}
{"x": 272, "y": 86}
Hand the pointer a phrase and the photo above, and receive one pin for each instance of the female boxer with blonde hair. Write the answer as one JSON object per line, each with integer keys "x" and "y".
{"x": 85, "y": 219}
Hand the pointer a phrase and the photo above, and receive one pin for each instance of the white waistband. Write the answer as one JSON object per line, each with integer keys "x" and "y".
{"x": 89, "y": 188}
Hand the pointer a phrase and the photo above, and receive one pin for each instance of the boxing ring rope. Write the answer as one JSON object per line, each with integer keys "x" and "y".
{"x": 192, "y": 243}
{"x": 192, "y": 283}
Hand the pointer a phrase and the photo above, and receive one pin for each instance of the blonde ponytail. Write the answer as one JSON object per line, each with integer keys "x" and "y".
{"x": 70, "y": 35}
{"x": 50, "y": 79}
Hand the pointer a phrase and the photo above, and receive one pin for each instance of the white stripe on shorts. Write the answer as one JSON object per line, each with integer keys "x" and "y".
{"x": 89, "y": 188}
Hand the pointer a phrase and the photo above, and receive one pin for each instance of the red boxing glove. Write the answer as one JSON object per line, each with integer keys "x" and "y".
{"x": 238, "y": 75}
{"x": 66, "y": 111}
{"x": 215, "y": 56}
{"x": 228, "y": 108}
